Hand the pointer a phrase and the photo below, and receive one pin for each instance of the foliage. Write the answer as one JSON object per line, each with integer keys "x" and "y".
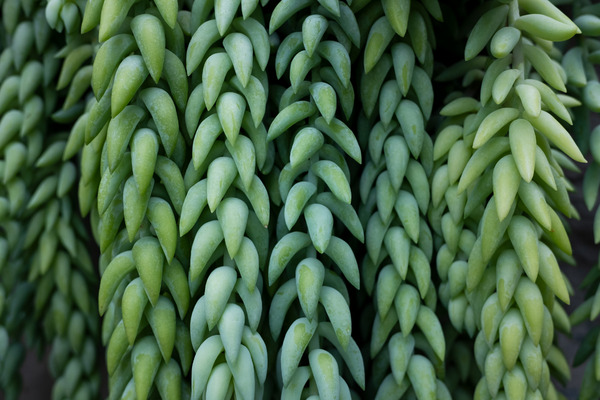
{"x": 297, "y": 199}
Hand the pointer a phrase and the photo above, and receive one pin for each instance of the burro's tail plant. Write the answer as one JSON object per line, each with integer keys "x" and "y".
{"x": 184, "y": 272}
{"x": 227, "y": 206}
{"x": 134, "y": 190}
{"x": 501, "y": 230}
{"x": 407, "y": 341}
{"x": 281, "y": 203}
{"x": 48, "y": 281}
{"x": 312, "y": 260}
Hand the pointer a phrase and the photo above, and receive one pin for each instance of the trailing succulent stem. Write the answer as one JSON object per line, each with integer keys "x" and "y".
{"x": 498, "y": 261}
{"x": 407, "y": 340}
{"x": 48, "y": 280}
{"x": 295, "y": 199}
